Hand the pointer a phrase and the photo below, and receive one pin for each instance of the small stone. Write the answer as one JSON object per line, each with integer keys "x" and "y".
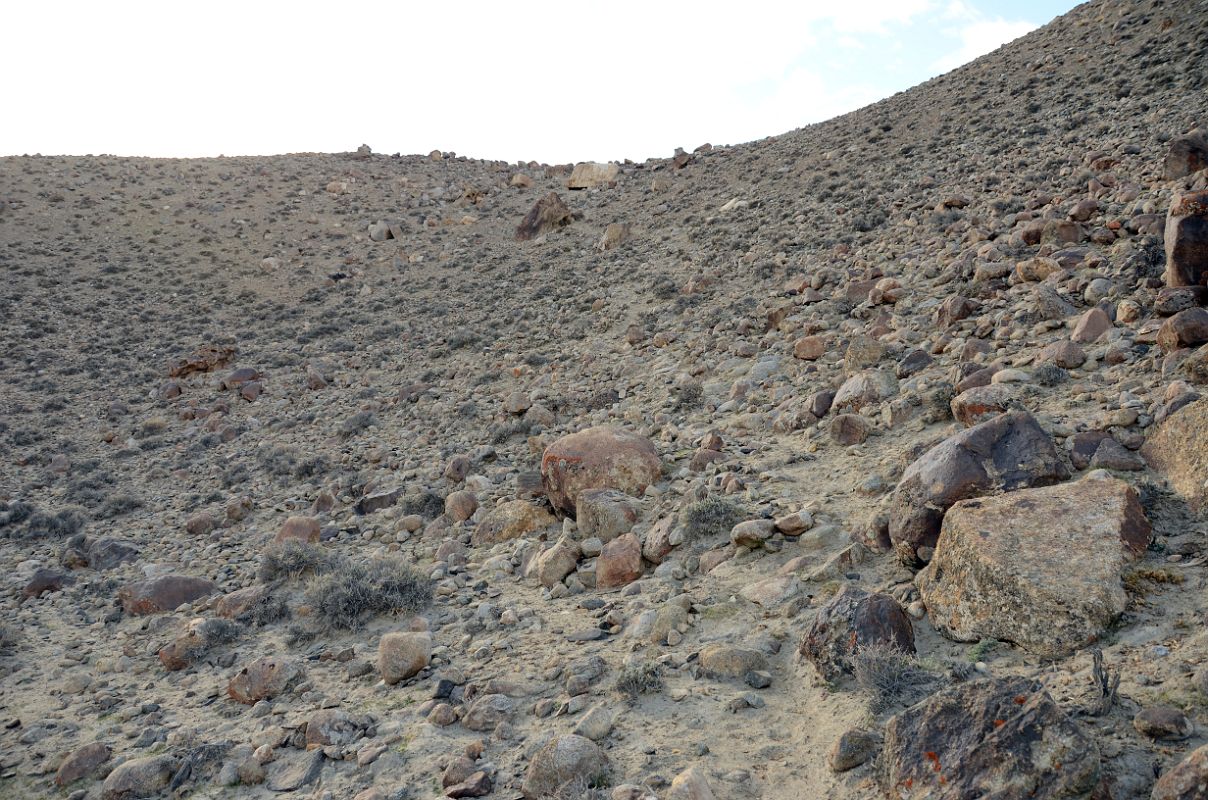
{"x": 852, "y": 749}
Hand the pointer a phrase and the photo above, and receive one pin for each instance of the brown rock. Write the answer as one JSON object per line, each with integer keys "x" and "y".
{"x": 264, "y": 679}
{"x": 302, "y": 529}
{"x": 1185, "y": 329}
{"x": 1001, "y": 738}
{"x": 1037, "y": 567}
{"x": 46, "y": 580}
{"x": 1091, "y": 326}
{"x": 865, "y": 389}
{"x": 811, "y": 348}
{"x": 237, "y": 603}
{"x": 203, "y": 359}
{"x": 1187, "y": 780}
{"x": 613, "y": 237}
{"x": 854, "y": 619}
{"x": 730, "y": 661}
{"x": 848, "y": 429}
{"x": 598, "y": 458}
{"x": 460, "y": 506}
{"x": 975, "y": 406}
{"x": 401, "y": 655}
{"x": 201, "y": 524}
{"x": 161, "y": 594}
{"x": 620, "y": 563}
{"x": 1163, "y": 722}
{"x": 1187, "y": 240}
{"x": 547, "y": 214}
{"x": 606, "y": 513}
{"x": 1186, "y": 154}
{"x": 1065, "y": 354}
{"x": 563, "y": 761}
{"x": 139, "y": 778}
{"x": 81, "y": 763}
{"x": 690, "y": 784}
{"x": 1005, "y": 453}
{"x": 1178, "y": 449}
{"x": 556, "y": 563}
{"x": 852, "y": 749}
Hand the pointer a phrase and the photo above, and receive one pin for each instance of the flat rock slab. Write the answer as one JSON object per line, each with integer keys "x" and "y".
{"x": 1037, "y": 567}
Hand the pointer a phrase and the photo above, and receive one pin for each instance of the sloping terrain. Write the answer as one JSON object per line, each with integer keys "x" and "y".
{"x": 196, "y": 351}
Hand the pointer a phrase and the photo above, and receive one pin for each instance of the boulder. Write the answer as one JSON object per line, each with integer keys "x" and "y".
{"x": 301, "y": 529}
{"x": 730, "y": 661}
{"x": 1005, "y": 453}
{"x": 848, "y": 429}
{"x": 1064, "y": 353}
{"x": 620, "y": 562}
{"x": 556, "y": 563}
{"x": 975, "y": 406}
{"x": 590, "y": 174}
{"x": 333, "y": 726}
{"x": 82, "y": 762}
{"x": 402, "y": 655}
{"x": 606, "y": 513}
{"x": 1001, "y": 738}
{"x": 1091, "y": 326}
{"x": 1187, "y": 328}
{"x": 139, "y": 778}
{"x": 564, "y": 760}
{"x": 1185, "y": 155}
{"x": 865, "y": 389}
{"x": 165, "y": 593}
{"x": 264, "y": 679}
{"x": 1037, "y": 567}
{"x": 598, "y": 458}
{"x": 854, "y": 619}
{"x": 511, "y": 520}
{"x": 487, "y": 711}
{"x": 547, "y": 214}
{"x": 690, "y": 784}
{"x": 752, "y": 532}
{"x": 1186, "y": 780}
{"x": 1178, "y": 450}
{"x": 1187, "y": 240}
{"x": 461, "y": 505}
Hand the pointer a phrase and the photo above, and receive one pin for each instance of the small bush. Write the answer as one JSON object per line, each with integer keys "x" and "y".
{"x": 213, "y": 633}
{"x": 348, "y": 595}
{"x": 61, "y": 524}
{"x": 892, "y": 677}
{"x": 713, "y": 516}
{"x": 638, "y": 678}
{"x": 9, "y": 634}
{"x": 688, "y": 395}
{"x": 428, "y": 505}
{"x": 268, "y": 609}
{"x": 357, "y": 423}
{"x": 292, "y": 559}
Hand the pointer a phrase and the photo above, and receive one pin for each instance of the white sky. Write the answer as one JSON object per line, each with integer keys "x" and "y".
{"x": 550, "y": 81}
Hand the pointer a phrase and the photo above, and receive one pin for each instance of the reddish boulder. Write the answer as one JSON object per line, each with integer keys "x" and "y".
{"x": 547, "y": 214}
{"x": 620, "y": 563}
{"x": 264, "y": 679}
{"x": 82, "y": 762}
{"x": 302, "y": 529}
{"x": 1178, "y": 450}
{"x": 1185, "y": 329}
{"x": 161, "y": 594}
{"x": 598, "y": 458}
{"x": 1185, "y": 155}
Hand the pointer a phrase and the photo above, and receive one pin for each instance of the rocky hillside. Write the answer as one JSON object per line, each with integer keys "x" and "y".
{"x": 863, "y": 461}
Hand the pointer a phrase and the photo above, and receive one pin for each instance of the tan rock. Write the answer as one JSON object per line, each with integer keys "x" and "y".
{"x": 1037, "y": 567}
{"x": 511, "y": 520}
{"x": 402, "y": 655}
{"x": 1178, "y": 450}
{"x": 302, "y": 529}
{"x": 590, "y": 174}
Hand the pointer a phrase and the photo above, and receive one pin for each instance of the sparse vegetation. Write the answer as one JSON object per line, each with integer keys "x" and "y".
{"x": 343, "y": 598}
{"x": 638, "y": 678}
{"x": 713, "y": 516}
{"x": 293, "y": 559}
{"x": 892, "y": 677}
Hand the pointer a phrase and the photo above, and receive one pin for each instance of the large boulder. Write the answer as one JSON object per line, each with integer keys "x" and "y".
{"x": 566, "y": 760}
{"x": 547, "y": 214}
{"x": 988, "y": 738}
{"x": 1037, "y": 567}
{"x": 1005, "y": 453}
{"x": 864, "y": 390}
{"x": 264, "y": 679}
{"x": 1187, "y": 780}
{"x": 1186, "y": 154}
{"x": 1187, "y": 328}
{"x": 598, "y": 458}
{"x": 165, "y": 593}
{"x": 402, "y": 655}
{"x": 139, "y": 778}
{"x": 1178, "y": 450}
{"x": 511, "y": 520}
{"x": 606, "y": 513}
{"x": 1187, "y": 240}
{"x": 852, "y": 620}
{"x": 590, "y": 174}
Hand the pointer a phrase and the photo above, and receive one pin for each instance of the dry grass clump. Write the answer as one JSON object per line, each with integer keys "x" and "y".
{"x": 891, "y": 676}
{"x": 713, "y": 516}
{"x": 638, "y": 678}
{"x": 344, "y": 597}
